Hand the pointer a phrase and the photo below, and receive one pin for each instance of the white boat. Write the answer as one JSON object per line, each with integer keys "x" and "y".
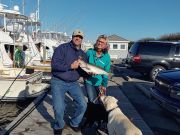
{"x": 15, "y": 84}
{"x": 14, "y": 25}
{"x": 21, "y": 88}
{"x": 87, "y": 45}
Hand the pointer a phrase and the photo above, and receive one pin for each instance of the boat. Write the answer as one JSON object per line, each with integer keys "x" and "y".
{"x": 21, "y": 87}
{"x": 15, "y": 83}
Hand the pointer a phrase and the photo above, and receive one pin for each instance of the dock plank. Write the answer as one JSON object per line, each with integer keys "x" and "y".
{"x": 40, "y": 119}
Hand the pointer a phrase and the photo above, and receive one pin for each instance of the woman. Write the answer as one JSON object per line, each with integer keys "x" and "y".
{"x": 98, "y": 56}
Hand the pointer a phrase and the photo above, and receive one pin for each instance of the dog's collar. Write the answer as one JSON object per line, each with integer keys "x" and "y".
{"x": 112, "y": 109}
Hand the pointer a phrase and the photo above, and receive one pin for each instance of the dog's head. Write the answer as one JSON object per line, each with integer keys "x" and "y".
{"x": 109, "y": 102}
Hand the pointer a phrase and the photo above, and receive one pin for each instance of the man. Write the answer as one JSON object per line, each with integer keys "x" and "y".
{"x": 64, "y": 79}
{"x": 18, "y": 57}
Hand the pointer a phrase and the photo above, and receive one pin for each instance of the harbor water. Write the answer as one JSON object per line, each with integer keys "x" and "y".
{"x": 10, "y": 110}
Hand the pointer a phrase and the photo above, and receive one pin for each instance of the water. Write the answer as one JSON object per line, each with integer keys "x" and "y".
{"x": 10, "y": 110}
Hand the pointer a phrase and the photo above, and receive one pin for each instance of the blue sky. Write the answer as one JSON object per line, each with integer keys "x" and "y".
{"x": 130, "y": 19}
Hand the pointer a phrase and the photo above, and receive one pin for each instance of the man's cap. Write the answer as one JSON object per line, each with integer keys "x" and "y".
{"x": 78, "y": 33}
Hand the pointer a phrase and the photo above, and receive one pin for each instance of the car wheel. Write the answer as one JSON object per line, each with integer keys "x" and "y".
{"x": 155, "y": 70}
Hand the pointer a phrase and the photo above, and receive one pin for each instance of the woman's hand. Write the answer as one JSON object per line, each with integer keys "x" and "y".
{"x": 102, "y": 90}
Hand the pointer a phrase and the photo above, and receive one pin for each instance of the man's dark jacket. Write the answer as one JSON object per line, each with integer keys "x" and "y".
{"x": 64, "y": 55}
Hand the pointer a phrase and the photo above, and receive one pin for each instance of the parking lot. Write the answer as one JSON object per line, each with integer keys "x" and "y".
{"x": 136, "y": 88}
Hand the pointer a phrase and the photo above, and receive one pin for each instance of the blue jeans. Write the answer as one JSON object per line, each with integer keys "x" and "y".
{"x": 58, "y": 89}
{"x": 92, "y": 92}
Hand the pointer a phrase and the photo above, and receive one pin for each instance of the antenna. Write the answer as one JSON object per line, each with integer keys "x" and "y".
{"x": 23, "y": 5}
{"x": 11, "y": 4}
{"x": 37, "y": 10}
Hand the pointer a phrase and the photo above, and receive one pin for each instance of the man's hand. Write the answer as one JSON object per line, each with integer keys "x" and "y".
{"x": 75, "y": 64}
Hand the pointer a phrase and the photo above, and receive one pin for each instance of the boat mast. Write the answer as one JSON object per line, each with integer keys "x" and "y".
{"x": 23, "y": 5}
{"x": 37, "y": 14}
{"x": 11, "y": 4}
{"x": 38, "y": 10}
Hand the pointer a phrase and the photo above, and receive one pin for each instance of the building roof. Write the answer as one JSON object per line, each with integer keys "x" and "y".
{"x": 116, "y": 38}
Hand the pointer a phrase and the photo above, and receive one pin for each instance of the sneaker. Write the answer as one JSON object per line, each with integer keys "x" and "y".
{"x": 58, "y": 131}
{"x": 76, "y": 129}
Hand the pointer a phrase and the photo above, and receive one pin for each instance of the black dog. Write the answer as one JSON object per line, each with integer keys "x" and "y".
{"x": 95, "y": 113}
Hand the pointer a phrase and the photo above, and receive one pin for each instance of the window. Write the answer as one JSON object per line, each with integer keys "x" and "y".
{"x": 122, "y": 47}
{"x": 115, "y": 46}
{"x": 160, "y": 49}
{"x": 134, "y": 48}
{"x": 177, "y": 51}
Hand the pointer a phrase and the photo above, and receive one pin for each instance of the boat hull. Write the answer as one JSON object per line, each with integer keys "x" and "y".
{"x": 22, "y": 88}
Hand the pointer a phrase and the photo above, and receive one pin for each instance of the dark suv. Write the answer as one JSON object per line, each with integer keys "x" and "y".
{"x": 150, "y": 57}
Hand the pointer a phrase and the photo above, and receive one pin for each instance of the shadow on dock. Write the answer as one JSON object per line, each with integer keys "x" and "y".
{"x": 38, "y": 117}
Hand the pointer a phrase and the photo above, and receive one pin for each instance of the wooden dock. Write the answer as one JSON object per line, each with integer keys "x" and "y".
{"x": 37, "y": 118}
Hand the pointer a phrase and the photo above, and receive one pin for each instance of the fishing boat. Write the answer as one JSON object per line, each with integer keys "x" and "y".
{"x": 15, "y": 83}
{"x": 21, "y": 87}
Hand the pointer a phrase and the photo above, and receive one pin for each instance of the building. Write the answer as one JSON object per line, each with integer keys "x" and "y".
{"x": 118, "y": 47}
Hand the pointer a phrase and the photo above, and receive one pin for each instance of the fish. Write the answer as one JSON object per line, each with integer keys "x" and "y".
{"x": 92, "y": 69}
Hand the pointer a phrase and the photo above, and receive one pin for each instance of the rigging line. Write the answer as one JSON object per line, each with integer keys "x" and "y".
{"x": 15, "y": 79}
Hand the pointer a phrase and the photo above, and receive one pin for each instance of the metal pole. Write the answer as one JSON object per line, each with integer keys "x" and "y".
{"x": 23, "y": 5}
{"x": 38, "y": 11}
{"x": 5, "y": 28}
